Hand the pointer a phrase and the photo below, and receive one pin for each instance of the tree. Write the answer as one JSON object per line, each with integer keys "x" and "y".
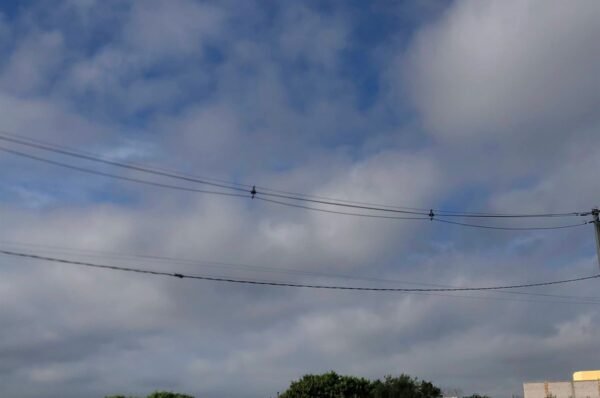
{"x": 332, "y": 385}
{"x": 328, "y": 385}
{"x": 157, "y": 394}
{"x": 404, "y": 386}
{"x": 165, "y": 394}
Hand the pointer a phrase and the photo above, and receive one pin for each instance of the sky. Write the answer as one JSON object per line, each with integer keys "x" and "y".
{"x": 478, "y": 106}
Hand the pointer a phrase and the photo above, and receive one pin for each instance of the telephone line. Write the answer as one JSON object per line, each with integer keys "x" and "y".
{"x": 291, "y": 284}
{"x": 511, "y": 228}
{"x": 338, "y": 212}
{"x": 119, "y": 164}
{"x": 267, "y": 192}
{"x": 39, "y": 144}
{"x": 118, "y": 177}
{"x": 249, "y": 195}
{"x": 256, "y": 268}
{"x": 15, "y": 138}
{"x": 436, "y": 219}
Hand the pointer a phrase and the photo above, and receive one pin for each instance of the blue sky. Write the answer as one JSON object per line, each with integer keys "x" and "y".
{"x": 467, "y": 105}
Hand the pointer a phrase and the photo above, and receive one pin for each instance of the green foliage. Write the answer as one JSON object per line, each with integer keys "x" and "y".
{"x": 404, "y": 386}
{"x": 328, "y": 385}
{"x": 157, "y": 394}
{"x": 117, "y": 396}
{"x": 164, "y": 394}
{"x": 332, "y": 385}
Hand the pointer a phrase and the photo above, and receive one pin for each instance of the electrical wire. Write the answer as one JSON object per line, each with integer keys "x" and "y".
{"x": 570, "y": 299}
{"x": 19, "y": 137}
{"x": 267, "y": 192}
{"x": 256, "y": 268}
{"x": 120, "y": 164}
{"x": 338, "y": 212}
{"x": 429, "y": 214}
{"x": 39, "y": 144}
{"x": 290, "y": 284}
{"x": 424, "y": 218}
{"x": 510, "y": 228}
{"x": 118, "y": 177}
{"x": 304, "y": 197}
{"x": 249, "y": 195}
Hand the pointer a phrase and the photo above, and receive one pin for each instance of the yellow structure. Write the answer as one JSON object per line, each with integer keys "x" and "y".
{"x": 586, "y": 375}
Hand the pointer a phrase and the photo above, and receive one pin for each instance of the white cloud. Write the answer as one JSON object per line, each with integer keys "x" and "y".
{"x": 35, "y": 62}
{"x": 44, "y": 118}
{"x": 308, "y": 35}
{"x": 271, "y": 108}
{"x": 160, "y": 29}
{"x": 568, "y": 185}
{"x": 508, "y": 70}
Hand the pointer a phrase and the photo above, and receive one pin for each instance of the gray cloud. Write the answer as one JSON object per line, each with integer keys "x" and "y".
{"x": 257, "y": 95}
{"x": 516, "y": 70}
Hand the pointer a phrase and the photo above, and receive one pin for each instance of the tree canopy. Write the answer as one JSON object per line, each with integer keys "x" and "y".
{"x": 332, "y": 385}
{"x": 156, "y": 394}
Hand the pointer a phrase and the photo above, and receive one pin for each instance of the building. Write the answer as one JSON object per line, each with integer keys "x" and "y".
{"x": 585, "y": 384}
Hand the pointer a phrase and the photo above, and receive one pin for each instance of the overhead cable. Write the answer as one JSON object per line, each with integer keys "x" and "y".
{"x": 248, "y": 195}
{"x": 437, "y": 219}
{"x": 118, "y": 177}
{"x": 266, "y": 192}
{"x": 130, "y": 166}
{"x": 511, "y": 228}
{"x": 338, "y": 212}
{"x": 291, "y": 284}
{"x": 262, "y": 269}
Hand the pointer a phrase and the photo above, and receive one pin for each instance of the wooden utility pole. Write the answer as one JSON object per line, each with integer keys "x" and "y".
{"x": 596, "y": 222}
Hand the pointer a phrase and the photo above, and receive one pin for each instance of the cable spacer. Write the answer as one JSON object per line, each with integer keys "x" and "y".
{"x": 431, "y": 214}
{"x": 253, "y": 192}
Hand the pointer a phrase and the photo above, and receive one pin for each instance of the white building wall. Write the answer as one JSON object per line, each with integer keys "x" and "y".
{"x": 562, "y": 389}
{"x": 587, "y": 389}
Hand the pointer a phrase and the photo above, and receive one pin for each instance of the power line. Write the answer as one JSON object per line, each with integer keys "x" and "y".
{"x": 267, "y": 192}
{"x": 118, "y": 177}
{"x": 571, "y": 300}
{"x": 430, "y": 214}
{"x": 47, "y": 146}
{"x": 511, "y": 228}
{"x": 142, "y": 169}
{"x": 256, "y": 268}
{"x": 437, "y": 219}
{"x": 338, "y": 212}
{"x": 19, "y": 137}
{"x": 290, "y": 284}
{"x": 249, "y": 195}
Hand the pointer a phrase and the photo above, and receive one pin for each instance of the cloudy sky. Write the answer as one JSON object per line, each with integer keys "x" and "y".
{"x": 469, "y": 106}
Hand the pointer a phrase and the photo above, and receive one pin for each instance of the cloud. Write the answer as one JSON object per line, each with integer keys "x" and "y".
{"x": 34, "y": 64}
{"x": 171, "y": 29}
{"x": 556, "y": 188}
{"x": 308, "y": 35}
{"x": 494, "y": 71}
{"x": 264, "y": 94}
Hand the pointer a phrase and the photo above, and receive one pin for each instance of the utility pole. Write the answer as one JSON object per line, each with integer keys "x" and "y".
{"x": 596, "y": 215}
